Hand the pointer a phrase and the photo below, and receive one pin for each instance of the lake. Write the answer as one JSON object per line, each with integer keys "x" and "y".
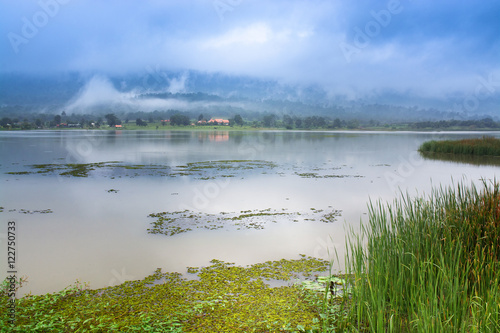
{"x": 81, "y": 200}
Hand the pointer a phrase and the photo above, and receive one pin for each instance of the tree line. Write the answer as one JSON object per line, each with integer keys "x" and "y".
{"x": 444, "y": 124}
{"x": 266, "y": 120}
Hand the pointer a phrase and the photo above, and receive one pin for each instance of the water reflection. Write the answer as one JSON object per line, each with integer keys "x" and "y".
{"x": 93, "y": 233}
{"x": 461, "y": 158}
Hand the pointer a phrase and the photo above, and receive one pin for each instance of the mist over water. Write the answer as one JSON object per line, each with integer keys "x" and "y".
{"x": 100, "y": 236}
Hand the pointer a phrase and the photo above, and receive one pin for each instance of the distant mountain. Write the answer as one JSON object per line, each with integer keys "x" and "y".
{"x": 220, "y": 94}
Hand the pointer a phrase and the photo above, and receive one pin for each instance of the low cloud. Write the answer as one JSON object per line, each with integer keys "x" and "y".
{"x": 178, "y": 85}
{"x": 100, "y": 93}
{"x": 426, "y": 48}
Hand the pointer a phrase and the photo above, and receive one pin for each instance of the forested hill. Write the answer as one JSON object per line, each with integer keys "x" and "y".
{"x": 194, "y": 93}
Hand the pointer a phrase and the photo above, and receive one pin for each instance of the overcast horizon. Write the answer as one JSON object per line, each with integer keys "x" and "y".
{"x": 423, "y": 49}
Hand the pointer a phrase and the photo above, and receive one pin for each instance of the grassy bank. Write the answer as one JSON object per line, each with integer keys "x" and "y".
{"x": 428, "y": 265}
{"x": 485, "y": 146}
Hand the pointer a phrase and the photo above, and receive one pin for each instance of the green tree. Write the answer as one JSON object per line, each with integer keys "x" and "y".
{"x": 140, "y": 122}
{"x": 308, "y": 122}
{"x": 298, "y": 122}
{"x": 26, "y": 125}
{"x": 288, "y": 121}
{"x": 179, "y": 119}
{"x": 6, "y": 122}
{"x": 318, "y": 121}
{"x": 269, "y": 120}
{"x": 112, "y": 119}
{"x": 57, "y": 119}
{"x": 238, "y": 120}
{"x": 352, "y": 124}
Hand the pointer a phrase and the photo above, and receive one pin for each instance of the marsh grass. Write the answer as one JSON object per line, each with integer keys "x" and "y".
{"x": 485, "y": 146}
{"x": 461, "y": 158}
{"x": 428, "y": 264}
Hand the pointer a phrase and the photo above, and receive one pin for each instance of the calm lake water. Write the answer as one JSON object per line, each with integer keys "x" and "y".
{"x": 95, "y": 229}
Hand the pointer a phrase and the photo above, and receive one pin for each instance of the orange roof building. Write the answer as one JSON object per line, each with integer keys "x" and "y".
{"x": 219, "y": 121}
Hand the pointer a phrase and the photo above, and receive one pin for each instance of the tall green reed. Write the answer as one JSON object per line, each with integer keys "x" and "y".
{"x": 478, "y": 147}
{"x": 428, "y": 264}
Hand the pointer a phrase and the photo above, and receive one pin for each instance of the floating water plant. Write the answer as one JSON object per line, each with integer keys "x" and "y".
{"x": 202, "y": 170}
{"x": 316, "y": 175}
{"x": 223, "y": 298}
{"x": 173, "y": 223}
{"x": 43, "y": 211}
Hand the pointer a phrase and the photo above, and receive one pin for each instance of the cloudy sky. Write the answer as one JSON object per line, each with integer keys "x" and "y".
{"x": 423, "y": 47}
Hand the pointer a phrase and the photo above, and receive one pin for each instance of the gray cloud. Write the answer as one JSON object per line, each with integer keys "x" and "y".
{"x": 359, "y": 49}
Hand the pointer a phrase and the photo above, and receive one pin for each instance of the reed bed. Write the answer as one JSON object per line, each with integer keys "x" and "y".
{"x": 427, "y": 264}
{"x": 485, "y": 146}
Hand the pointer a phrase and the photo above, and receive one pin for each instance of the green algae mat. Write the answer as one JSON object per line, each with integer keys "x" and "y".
{"x": 173, "y": 223}
{"x": 202, "y": 170}
{"x": 221, "y": 297}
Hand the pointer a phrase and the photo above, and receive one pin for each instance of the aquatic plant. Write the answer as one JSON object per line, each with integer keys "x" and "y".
{"x": 462, "y": 158}
{"x": 428, "y": 264}
{"x": 203, "y": 170}
{"x": 488, "y": 146}
{"x": 43, "y": 211}
{"x": 223, "y": 298}
{"x": 316, "y": 175}
{"x": 173, "y": 223}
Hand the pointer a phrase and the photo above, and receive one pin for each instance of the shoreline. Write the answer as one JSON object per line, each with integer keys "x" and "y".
{"x": 135, "y": 128}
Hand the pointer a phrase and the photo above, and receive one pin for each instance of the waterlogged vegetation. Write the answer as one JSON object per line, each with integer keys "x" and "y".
{"x": 428, "y": 264}
{"x": 41, "y": 211}
{"x": 173, "y": 223}
{"x": 27, "y": 211}
{"x": 203, "y": 170}
{"x": 462, "y": 158}
{"x": 227, "y": 168}
{"x": 317, "y": 175}
{"x": 81, "y": 169}
{"x": 482, "y": 151}
{"x": 221, "y": 297}
{"x": 485, "y": 146}
{"x": 323, "y": 172}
